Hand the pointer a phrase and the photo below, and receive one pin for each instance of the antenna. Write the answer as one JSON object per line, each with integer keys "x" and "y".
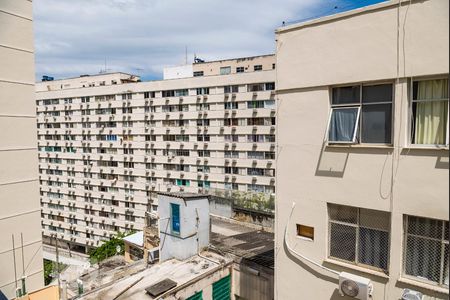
{"x": 186, "y": 56}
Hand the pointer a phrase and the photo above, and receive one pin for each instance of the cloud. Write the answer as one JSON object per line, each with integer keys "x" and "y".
{"x": 74, "y": 37}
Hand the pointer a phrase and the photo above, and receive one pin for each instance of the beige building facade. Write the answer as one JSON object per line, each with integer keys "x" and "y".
{"x": 20, "y": 225}
{"x": 362, "y": 183}
{"x": 106, "y": 149}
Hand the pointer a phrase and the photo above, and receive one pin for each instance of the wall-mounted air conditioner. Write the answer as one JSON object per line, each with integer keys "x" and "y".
{"x": 354, "y": 286}
{"x": 411, "y": 295}
{"x": 153, "y": 255}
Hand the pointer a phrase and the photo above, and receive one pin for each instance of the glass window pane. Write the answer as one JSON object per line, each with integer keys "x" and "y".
{"x": 346, "y": 95}
{"x": 425, "y": 227}
{"x": 342, "y": 124}
{"x": 374, "y": 219}
{"x": 376, "y": 123}
{"x": 343, "y": 242}
{"x": 445, "y": 280}
{"x": 373, "y": 248}
{"x": 446, "y": 224}
{"x": 423, "y": 258}
{"x": 175, "y": 211}
{"x": 430, "y": 89}
{"x": 377, "y": 93}
{"x": 430, "y": 122}
{"x": 342, "y": 213}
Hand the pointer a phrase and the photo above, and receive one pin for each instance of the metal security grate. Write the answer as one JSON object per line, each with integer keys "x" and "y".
{"x": 222, "y": 289}
{"x": 360, "y": 236}
{"x": 427, "y": 250}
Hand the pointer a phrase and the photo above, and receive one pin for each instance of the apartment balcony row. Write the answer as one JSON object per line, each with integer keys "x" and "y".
{"x": 77, "y": 210}
{"x": 157, "y": 101}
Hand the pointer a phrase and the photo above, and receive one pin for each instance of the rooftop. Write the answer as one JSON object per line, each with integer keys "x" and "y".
{"x": 181, "y": 272}
{"x": 239, "y": 59}
{"x": 136, "y": 238}
{"x": 185, "y": 196}
{"x": 246, "y": 244}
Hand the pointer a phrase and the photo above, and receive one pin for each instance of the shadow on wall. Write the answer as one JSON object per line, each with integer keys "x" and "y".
{"x": 332, "y": 162}
{"x": 442, "y": 159}
{"x": 309, "y": 269}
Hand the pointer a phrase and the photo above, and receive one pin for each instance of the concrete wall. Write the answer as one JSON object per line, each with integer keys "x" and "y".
{"x": 19, "y": 185}
{"x": 213, "y": 67}
{"x": 192, "y": 237}
{"x": 178, "y": 72}
{"x": 351, "y": 48}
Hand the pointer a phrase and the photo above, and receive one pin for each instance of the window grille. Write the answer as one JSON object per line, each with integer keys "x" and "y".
{"x": 359, "y": 236}
{"x": 426, "y": 250}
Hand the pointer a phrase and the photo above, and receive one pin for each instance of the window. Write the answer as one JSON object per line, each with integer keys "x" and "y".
{"x": 231, "y": 89}
{"x": 183, "y": 182}
{"x": 258, "y": 68}
{"x": 225, "y": 70}
{"x": 198, "y": 73}
{"x": 426, "y": 252}
{"x": 230, "y": 105}
{"x": 240, "y": 70}
{"x": 430, "y": 112}
{"x": 361, "y": 114}
{"x": 306, "y": 232}
{"x": 359, "y": 236}
{"x": 175, "y": 217}
{"x": 202, "y": 91}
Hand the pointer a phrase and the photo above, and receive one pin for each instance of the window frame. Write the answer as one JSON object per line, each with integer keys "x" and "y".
{"x": 443, "y": 242}
{"x": 357, "y": 226}
{"x": 172, "y": 230}
{"x": 411, "y": 121}
{"x": 357, "y": 140}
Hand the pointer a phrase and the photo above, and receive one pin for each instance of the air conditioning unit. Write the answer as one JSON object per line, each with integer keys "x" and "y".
{"x": 153, "y": 255}
{"x": 354, "y": 286}
{"x": 411, "y": 295}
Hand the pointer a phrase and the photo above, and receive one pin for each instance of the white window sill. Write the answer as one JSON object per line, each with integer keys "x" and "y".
{"x": 357, "y": 268}
{"x": 419, "y": 147}
{"x": 424, "y": 285}
{"x": 360, "y": 146}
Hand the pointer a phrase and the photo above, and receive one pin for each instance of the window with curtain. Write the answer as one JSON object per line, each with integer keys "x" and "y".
{"x": 361, "y": 114}
{"x": 359, "y": 236}
{"x": 430, "y": 112}
{"x": 426, "y": 252}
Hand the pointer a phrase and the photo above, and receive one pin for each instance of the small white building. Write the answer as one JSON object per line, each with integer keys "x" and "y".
{"x": 184, "y": 225}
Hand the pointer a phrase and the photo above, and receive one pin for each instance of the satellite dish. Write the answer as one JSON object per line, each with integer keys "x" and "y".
{"x": 118, "y": 249}
{"x": 350, "y": 288}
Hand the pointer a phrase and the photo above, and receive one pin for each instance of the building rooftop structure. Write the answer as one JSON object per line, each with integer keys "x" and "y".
{"x": 181, "y": 272}
{"x": 135, "y": 238}
{"x": 244, "y": 242}
{"x": 183, "y": 195}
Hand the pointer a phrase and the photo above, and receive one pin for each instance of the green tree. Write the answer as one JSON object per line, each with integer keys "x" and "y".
{"x": 108, "y": 248}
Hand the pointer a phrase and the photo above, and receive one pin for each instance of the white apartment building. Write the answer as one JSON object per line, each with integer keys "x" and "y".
{"x": 108, "y": 142}
{"x": 363, "y": 180}
{"x": 20, "y": 232}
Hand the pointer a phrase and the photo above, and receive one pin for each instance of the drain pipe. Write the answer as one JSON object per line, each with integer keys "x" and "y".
{"x": 292, "y": 250}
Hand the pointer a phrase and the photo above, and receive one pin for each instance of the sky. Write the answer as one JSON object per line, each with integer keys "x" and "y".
{"x": 74, "y": 37}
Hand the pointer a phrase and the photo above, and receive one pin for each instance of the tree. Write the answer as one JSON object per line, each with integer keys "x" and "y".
{"x": 109, "y": 248}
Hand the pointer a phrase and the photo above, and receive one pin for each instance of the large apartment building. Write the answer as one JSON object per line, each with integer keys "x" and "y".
{"x": 108, "y": 142}
{"x": 20, "y": 232}
{"x": 363, "y": 180}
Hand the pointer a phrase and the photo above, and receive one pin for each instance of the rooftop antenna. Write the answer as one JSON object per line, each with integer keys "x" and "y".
{"x": 186, "y": 56}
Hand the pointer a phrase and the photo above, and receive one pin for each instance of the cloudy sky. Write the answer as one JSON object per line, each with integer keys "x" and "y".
{"x": 76, "y": 37}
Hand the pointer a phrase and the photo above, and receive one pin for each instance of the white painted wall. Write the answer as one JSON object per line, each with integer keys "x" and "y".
{"x": 184, "y": 245}
{"x": 178, "y": 72}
